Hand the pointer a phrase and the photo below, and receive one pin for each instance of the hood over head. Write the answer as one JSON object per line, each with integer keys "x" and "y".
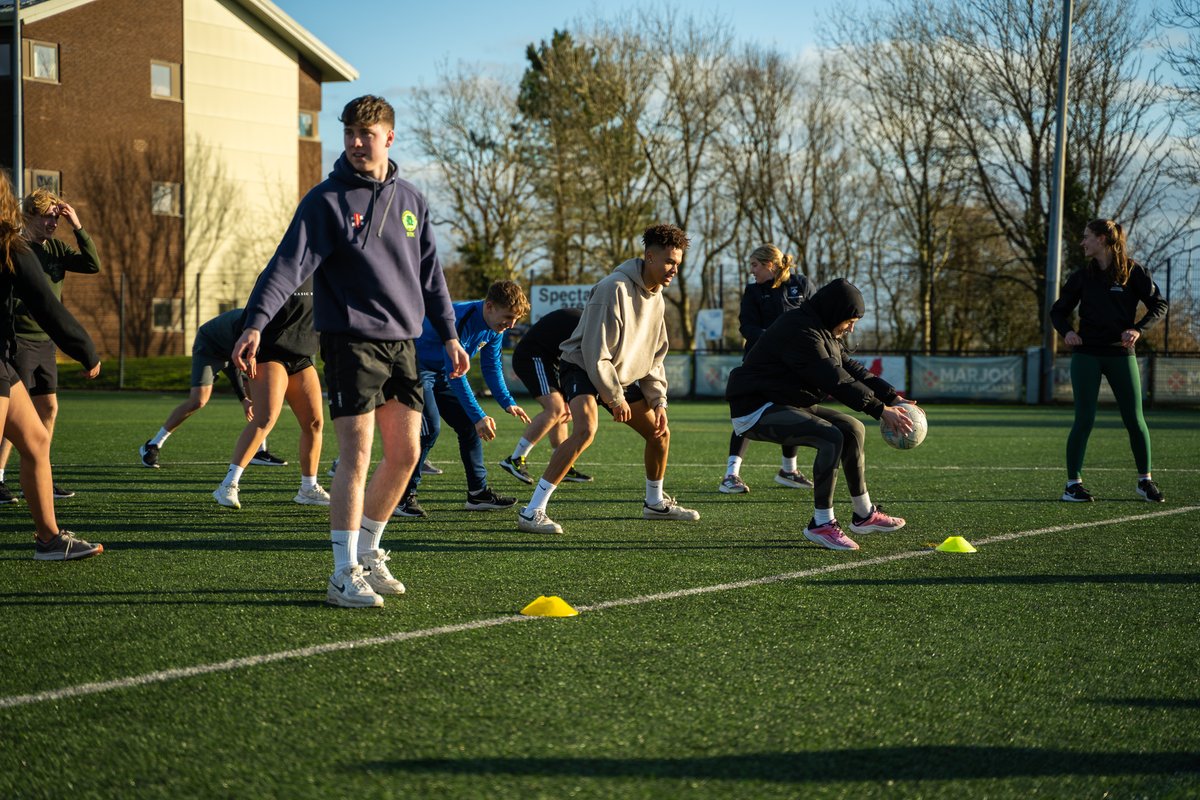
{"x": 836, "y": 302}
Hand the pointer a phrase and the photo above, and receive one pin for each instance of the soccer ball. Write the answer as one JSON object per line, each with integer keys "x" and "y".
{"x": 906, "y": 442}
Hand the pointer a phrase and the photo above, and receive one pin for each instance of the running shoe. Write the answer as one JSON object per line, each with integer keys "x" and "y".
{"x": 65, "y": 547}
{"x": 227, "y": 495}
{"x": 875, "y": 521}
{"x": 379, "y": 577}
{"x": 537, "y": 522}
{"x": 61, "y": 494}
{"x": 409, "y": 507}
{"x": 669, "y": 509}
{"x": 348, "y": 588}
{"x": 575, "y": 476}
{"x": 430, "y": 469}
{"x": 1075, "y": 493}
{"x": 794, "y": 480}
{"x": 6, "y": 495}
{"x": 516, "y": 468}
{"x": 487, "y": 500}
{"x": 315, "y": 496}
{"x": 829, "y": 536}
{"x": 149, "y": 454}
{"x": 733, "y": 484}
{"x": 264, "y": 458}
{"x": 1149, "y": 491}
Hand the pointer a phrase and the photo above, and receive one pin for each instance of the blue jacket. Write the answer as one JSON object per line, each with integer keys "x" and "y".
{"x": 475, "y": 337}
{"x": 369, "y": 246}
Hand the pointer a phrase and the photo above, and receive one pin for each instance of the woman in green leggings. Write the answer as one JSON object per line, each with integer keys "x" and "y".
{"x": 1107, "y": 292}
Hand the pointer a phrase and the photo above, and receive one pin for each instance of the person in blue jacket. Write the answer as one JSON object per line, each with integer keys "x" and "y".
{"x": 480, "y": 325}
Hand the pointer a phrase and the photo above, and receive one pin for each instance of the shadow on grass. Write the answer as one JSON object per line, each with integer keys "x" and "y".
{"x": 986, "y": 580}
{"x": 1190, "y": 703}
{"x": 885, "y": 763}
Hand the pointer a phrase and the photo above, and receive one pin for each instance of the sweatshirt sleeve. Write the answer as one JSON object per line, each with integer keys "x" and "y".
{"x": 654, "y": 385}
{"x": 1148, "y": 293}
{"x": 439, "y": 309}
{"x": 1068, "y": 299}
{"x": 827, "y": 371}
{"x": 309, "y": 240}
{"x": 750, "y": 319}
{"x": 31, "y": 286}
{"x": 86, "y": 260}
{"x": 492, "y": 364}
{"x": 600, "y": 332}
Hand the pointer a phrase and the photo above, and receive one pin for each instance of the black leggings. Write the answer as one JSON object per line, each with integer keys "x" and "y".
{"x": 738, "y": 445}
{"x": 838, "y": 439}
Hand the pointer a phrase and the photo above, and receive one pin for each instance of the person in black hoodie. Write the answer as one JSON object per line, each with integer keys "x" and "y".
{"x": 776, "y": 289}
{"x": 775, "y": 395}
{"x": 21, "y": 277}
{"x": 1107, "y": 292}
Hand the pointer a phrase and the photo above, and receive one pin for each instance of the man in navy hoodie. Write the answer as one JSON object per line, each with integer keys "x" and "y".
{"x": 365, "y": 237}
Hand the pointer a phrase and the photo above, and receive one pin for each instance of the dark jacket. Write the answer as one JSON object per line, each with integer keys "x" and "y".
{"x": 1107, "y": 309}
{"x": 370, "y": 249}
{"x": 762, "y": 304}
{"x": 798, "y": 361}
{"x": 57, "y": 259}
{"x": 27, "y": 282}
{"x": 544, "y": 339}
{"x": 290, "y": 334}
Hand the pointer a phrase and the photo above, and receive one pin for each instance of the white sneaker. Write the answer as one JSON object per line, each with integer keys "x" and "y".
{"x": 379, "y": 577}
{"x": 227, "y": 496}
{"x": 669, "y": 509}
{"x": 348, "y": 588}
{"x": 537, "y": 522}
{"x": 316, "y": 496}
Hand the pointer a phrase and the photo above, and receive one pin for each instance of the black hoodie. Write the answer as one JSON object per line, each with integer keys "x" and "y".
{"x": 798, "y": 361}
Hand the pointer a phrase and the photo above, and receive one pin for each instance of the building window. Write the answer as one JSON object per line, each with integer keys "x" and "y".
{"x": 164, "y": 199}
{"x": 164, "y": 80}
{"x": 41, "y": 60}
{"x": 227, "y": 305}
{"x": 48, "y": 179}
{"x": 168, "y": 314}
{"x": 308, "y": 125}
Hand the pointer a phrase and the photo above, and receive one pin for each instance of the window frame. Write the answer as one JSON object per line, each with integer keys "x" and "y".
{"x": 176, "y": 194}
{"x": 175, "y": 310}
{"x": 28, "y": 62}
{"x": 176, "y": 83}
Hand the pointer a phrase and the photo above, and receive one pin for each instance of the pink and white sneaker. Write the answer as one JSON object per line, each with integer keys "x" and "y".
{"x": 875, "y": 521}
{"x": 829, "y": 536}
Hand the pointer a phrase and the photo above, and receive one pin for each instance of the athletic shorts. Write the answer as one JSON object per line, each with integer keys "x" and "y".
{"x": 8, "y": 377}
{"x": 575, "y": 382}
{"x": 363, "y": 374}
{"x": 207, "y": 360}
{"x": 291, "y": 363}
{"x": 37, "y": 366}
{"x": 540, "y": 375}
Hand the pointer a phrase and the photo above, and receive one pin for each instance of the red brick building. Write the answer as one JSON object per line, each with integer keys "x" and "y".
{"x": 183, "y": 132}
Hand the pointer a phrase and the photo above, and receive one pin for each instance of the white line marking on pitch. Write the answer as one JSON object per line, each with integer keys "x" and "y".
{"x": 162, "y": 676}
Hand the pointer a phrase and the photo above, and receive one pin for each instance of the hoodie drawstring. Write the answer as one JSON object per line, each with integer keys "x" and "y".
{"x": 387, "y": 209}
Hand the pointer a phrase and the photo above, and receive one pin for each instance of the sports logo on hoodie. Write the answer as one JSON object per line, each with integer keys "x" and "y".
{"x": 409, "y": 219}
{"x": 356, "y": 221}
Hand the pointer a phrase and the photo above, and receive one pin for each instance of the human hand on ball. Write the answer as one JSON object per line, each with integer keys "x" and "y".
{"x": 896, "y": 419}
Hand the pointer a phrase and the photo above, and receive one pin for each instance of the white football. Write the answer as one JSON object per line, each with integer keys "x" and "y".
{"x": 910, "y": 440}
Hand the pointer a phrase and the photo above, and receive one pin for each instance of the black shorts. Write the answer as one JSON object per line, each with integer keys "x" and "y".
{"x": 363, "y": 374}
{"x": 8, "y": 377}
{"x": 290, "y": 362}
{"x": 35, "y": 362}
{"x": 575, "y": 382}
{"x": 540, "y": 375}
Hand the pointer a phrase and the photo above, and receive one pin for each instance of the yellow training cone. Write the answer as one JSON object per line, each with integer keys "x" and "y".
{"x": 549, "y": 607}
{"x": 956, "y": 544}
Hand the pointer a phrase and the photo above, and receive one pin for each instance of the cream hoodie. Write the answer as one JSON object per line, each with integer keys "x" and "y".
{"x": 622, "y": 337}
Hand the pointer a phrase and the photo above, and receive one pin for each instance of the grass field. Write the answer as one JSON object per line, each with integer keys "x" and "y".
{"x": 725, "y": 658}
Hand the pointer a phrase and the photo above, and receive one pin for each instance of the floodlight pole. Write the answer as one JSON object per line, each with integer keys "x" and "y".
{"x": 1054, "y": 242}
{"x": 18, "y": 161}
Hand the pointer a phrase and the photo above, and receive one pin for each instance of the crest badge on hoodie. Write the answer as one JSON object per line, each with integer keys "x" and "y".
{"x": 356, "y": 221}
{"x": 409, "y": 219}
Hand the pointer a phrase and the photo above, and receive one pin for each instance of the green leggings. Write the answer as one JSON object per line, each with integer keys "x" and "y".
{"x": 1126, "y": 384}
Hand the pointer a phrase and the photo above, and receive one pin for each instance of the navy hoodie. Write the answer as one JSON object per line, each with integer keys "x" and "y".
{"x": 798, "y": 361}
{"x": 370, "y": 250}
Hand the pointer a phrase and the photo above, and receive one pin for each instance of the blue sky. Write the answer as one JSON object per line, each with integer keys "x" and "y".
{"x": 397, "y": 46}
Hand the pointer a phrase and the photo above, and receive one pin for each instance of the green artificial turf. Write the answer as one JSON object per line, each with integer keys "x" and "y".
{"x": 1057, "y": 664}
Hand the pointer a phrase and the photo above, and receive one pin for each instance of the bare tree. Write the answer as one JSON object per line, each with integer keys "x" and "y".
{"x": 469, "y": 126}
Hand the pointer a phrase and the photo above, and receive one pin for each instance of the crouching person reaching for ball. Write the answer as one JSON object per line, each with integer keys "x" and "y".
{"x": 774, "y": 397}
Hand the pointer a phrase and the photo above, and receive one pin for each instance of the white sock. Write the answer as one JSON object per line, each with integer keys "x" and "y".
{"x": 308, "y": 481}
{"x": 344, "y": 543}
{"x": 1073, "y": 481}
{"x": 862, "y": 504}
{"x": 160, "y": 437}
{"x": 262, "y": 448}
{"x": 733, "y": 466}
{"x": 541, "y": 496}
{"x": 787, "y": 464}
{"x": 1, "y": 476}
{"x": 822, "y": 516}
{"x": 654, "y": 492}
{"x": 233, "y": 476}
{"x": 523, "y": 448}
{"x": 1145, "y": 477}
{"x": 370, "y": 536}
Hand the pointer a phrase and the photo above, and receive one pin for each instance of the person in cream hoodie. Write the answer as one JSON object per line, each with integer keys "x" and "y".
{"x": 615, "y": 359}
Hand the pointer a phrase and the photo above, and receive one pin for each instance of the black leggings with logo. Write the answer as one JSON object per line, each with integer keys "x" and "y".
{"x": 837, "y": 437}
